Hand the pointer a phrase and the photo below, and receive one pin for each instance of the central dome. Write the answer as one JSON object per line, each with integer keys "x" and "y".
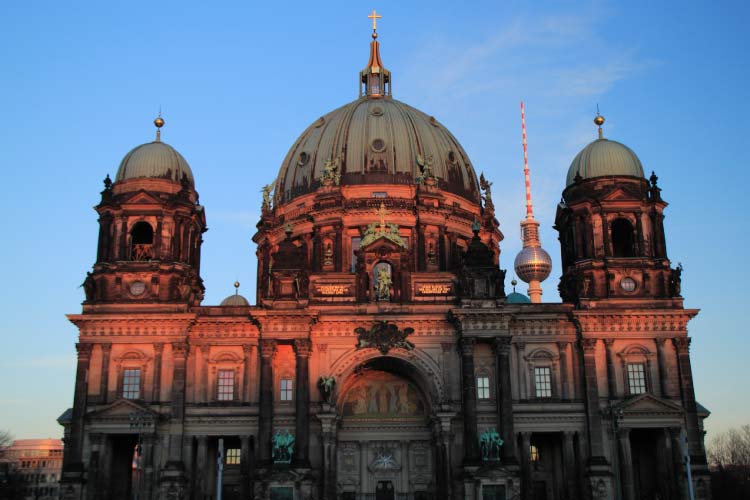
{"x": 376, "y": 140}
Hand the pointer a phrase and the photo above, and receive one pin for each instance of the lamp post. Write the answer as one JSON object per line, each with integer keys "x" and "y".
{"x": 140, "y": 420}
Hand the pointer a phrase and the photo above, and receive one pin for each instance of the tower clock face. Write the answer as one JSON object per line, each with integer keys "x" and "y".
{"x": 628, "y": 284}
{"x": 137, "y": 288}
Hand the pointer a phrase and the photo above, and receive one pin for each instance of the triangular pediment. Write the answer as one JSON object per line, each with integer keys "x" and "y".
{"x": 621, "y": 193}
{"x": 648, "y": 403}
{"x": 381, "y": 242}
{"x": 121, "y": 409}
{"x": 142, "y": 197}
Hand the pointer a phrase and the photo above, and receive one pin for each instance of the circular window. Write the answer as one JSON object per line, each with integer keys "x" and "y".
{"x": 378, "y": 145}
{"x": 628, "y": 284}
{"x": 137, "y": 288}
{"x": 303, "y": 159}
{"x": 376, "y": 111}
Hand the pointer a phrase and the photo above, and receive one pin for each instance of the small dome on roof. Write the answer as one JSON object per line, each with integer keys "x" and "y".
{"x": 156, "y": 160}
{"x": 603, "y": 158}
{"x": 517, "y": 298}
{"x": 235, "y": 300}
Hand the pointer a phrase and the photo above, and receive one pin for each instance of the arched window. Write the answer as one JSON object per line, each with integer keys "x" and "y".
{"x": 141, "y": 241}
{"x": 622, "y": 238}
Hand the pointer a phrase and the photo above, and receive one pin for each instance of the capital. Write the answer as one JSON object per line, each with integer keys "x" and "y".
{"x": 302, "y": 347}
{"x": 589, "y": 345}
{"x": 608, "y": 343}
{"x": 106, "y": 347}
{"x": 158, "y": 348}
{"x": 84, "y": 350}
{"x": 466, "y": 346}
{"x": 205, "y": 349}
{"x": 267, "y": 348}
{"x": 682, "y": 344}
{"x": 501, "y": 345}
{"x": 247, "y": 349}
{"x": 180, "y": 349}
{"x": 563, "y": 346}
{"x": 623, "y": 432}
{"x": 660, "y": 342}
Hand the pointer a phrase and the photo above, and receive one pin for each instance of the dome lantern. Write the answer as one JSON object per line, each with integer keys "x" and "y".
{"x": 375, "y": 80}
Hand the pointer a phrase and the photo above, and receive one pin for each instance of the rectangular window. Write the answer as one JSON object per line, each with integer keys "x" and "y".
{"x": 543, "y": 382}
{"x": 286, "y": 389}
{"x": 131, "y": 383}
{"x": 636, "y": 378}
{"x": 483, "y": 387}
{"x": 225, "y": 390}
{"x": 233, "y": 456}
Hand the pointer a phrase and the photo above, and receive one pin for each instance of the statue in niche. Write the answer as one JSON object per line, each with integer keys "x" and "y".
{"x": 383, "y": 283}
{"x": 489, "y": 445}
{"x": 89, "y": 286}
{"x": 283, "y": 445}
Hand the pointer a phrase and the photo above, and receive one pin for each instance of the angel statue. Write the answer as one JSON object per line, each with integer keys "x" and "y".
{"x": 487, "y": 188}
{"x": 267, "y": 196}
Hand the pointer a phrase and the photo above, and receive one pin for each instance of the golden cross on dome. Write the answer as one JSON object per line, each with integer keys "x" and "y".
{"x": 374, "y": 16}
{"x": 382, "y": 212}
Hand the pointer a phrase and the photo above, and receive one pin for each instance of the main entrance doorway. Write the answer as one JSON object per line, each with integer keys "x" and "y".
{"x": 385, "y": 449}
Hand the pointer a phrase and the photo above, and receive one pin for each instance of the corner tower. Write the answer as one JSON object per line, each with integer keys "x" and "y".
{"x": 611, "y": 229}
{"x": 150, "y": 227}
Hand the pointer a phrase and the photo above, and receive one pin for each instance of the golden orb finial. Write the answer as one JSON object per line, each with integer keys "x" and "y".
{"x": 599, "y": 121}
{"x": 159, "y": 123}
{"x": 236, "y": 284}
{"x": 236, "y": 287}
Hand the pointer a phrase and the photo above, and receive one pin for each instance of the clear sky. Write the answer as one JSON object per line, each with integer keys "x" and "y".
{"x": 239, "y": 81}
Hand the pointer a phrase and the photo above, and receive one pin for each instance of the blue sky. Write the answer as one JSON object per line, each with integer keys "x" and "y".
{"x": 238, "y": 81}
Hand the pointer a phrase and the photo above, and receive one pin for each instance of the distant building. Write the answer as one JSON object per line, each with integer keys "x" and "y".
{"x": 31, "y": 469}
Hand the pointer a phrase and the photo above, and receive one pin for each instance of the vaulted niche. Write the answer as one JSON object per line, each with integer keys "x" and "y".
{"x": 622, "y": 238}
{"x": 141, "y": 241}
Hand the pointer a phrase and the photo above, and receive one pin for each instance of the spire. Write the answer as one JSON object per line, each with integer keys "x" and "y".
{"x": 529, "y": 208}
{"x": 375, "y": 80}
{"x": 599, "y": 121}
{"x": 159, "y": 122}
{"x": 533, "y": 263}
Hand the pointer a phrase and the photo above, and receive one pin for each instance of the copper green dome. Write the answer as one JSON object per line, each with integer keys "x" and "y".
{"x": 517, "y": 298}
{"x": 604, "y": 158}
{"x": 376, "y": 140}
{"x": 154, "y": 160}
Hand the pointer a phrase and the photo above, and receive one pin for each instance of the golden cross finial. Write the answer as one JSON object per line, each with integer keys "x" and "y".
{"x": 374, "y": 16}
{"x": 382, "y": 212}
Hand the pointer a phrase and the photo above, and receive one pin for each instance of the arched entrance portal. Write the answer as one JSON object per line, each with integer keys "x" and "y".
{"x": 384, "y": 447}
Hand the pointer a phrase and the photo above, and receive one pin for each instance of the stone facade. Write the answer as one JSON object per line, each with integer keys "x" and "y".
{"x": 382, "y": 358}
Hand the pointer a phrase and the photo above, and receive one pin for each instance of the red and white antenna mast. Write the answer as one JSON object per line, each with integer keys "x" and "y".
{"x": 529, "y": 209}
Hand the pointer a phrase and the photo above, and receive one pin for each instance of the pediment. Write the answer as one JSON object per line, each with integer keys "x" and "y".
{"x": 619, "y": 193}
{"x": 382, "y": 244}
{"x": 142, "y": 197}
{"x": 648, "y": 403}
{"x": 121, "y": 409}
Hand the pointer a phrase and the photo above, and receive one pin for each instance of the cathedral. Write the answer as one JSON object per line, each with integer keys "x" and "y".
{"x": 384, "y": 358}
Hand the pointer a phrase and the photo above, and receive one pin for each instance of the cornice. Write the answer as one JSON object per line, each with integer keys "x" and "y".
{"x": 634, "y": 321}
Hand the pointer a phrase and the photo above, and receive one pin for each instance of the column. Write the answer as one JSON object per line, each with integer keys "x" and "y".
{"x": 605, "y": 234}
{"x": 204, "y": 392}
{"x": 148, "y": 476}
{"x": 201, "y": 464}
{"x": 328, "y": 444}
{"x": 593, "y": 414}
{"x": 695, "y": 436}
{"x": 94, "y": 480}
{"x": 74, "y": 447}
{"x": 521, "y": 358}
{"x": 247, "y": 349}
{"x": 265, "y": 422}
{"x": 501, "y": 346}
{"x": 104, "y": 377}
{"x": 563, "y": 349}
{"x": 469, "y": 400}
{"x": 661, "y": 362}
{"x": 611, "y": 381}
{"x": 526, "y": 490}
{"x": 569, "y": 465}
{"x": 302, "y": 349}
{"x": 158, "y": 350}
{"x": 680, "y": 474}
{"x": 626, "y": 464}
{"x": 246, "y": 468}
{"x": 665, "y": 463}
{"x": 363, "y": 463}
{"x": 404, "y": 467}
{"x": 157, "y": 238}
{"x": 179, "y": 355}
{"x": 123, "y": 253}
{"x": 641, "y": 250}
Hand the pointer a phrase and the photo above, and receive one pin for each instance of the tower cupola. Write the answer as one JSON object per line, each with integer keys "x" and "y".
{"x": 375, "y": 80}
